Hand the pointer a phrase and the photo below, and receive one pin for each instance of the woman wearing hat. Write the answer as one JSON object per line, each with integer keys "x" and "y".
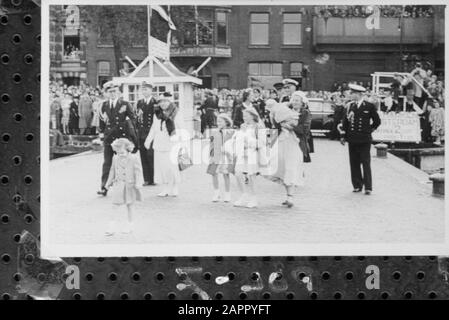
{"x": 287, "y": 161}
{"x": 166, "y": 134}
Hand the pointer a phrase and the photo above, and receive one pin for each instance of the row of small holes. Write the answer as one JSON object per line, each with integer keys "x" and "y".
{"x": 28, "y": 58}
{"x": 6, "y": 98}
{"x": 27, "y": 19}
{"x": 220, "y": 259}
{"x": 148, "y": 296}
{"x": 5, "y": 180}
{"x": 6, "y": 137}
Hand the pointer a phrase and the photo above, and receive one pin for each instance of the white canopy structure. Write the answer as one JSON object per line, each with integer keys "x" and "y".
{"x": 165, "y": 77}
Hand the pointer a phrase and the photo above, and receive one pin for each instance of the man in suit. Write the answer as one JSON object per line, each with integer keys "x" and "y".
{"x": 116, "y": 121}
{"x": 145, "y": 113}
{"x": 359, "y": 122}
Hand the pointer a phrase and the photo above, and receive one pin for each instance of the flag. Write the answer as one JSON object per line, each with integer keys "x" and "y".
{"x": 164, "y": 16}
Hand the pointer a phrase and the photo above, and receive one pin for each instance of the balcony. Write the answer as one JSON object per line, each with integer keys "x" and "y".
{"x": 420, "y": 31}
{"x": 201, "y": 51}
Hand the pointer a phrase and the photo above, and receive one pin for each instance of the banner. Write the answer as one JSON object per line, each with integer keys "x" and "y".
{"x": 398, "y": 127}
{"x": 158, "y": 48}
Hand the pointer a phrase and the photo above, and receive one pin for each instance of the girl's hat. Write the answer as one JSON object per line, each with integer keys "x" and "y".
{"x": 270, "y": 103}
{"x": 301, "y": 94}
{"x": 226, "y": 118}
{"x": 122, "y": 143}
{"x": 284, "y": 113}
{"x": 166, "y": 96}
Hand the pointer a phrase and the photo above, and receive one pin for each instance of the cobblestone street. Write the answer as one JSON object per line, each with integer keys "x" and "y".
{"x": 401, "y": 208}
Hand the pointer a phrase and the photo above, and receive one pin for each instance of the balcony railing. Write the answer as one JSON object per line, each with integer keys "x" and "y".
{"x": 354, "y": 31}
{"x": 201, "y": 51}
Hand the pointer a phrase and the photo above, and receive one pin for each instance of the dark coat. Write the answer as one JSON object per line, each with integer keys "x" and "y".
{"x": 360, "y": 122}
{"x": 74, "y": 116}
{"x": 145, "y": 121}
{"x": 237, "y": 114}
{"x": 119, "y": 123}
{"x": 302, "y": 131}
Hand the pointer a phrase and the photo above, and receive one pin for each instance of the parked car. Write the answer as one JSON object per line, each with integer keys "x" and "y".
{"x": 322, "y": 116}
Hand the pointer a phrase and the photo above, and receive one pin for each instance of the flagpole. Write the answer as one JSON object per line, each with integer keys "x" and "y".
{"x": 150, "y": 61}
{"x": 169, "y": 32}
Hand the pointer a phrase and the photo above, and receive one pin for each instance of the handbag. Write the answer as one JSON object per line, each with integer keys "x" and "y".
{"x": 184, "y": 160}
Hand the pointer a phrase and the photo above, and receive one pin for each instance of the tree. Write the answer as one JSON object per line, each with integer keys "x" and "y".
{"x": 122, "y": 25}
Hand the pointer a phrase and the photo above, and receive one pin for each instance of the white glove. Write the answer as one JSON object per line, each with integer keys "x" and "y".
{"x": 147, "y": 144}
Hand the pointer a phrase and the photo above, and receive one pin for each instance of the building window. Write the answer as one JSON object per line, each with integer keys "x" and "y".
{"x": 264, "y": 74}
{"x": 206, "y": 26}
{"x": 104, "y": 68}
{"x": 265, "y": 69}
{"x": 222, "y": 28}
{"x": 292, "y": 29}
{"x": 103, "y": 72}
{"x": 223, "y": 81}
{"x": 259, "y": 27}
{"x": 295, "y": 69}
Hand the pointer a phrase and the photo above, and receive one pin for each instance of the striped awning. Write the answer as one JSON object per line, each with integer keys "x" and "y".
{"x": 73, "y": 74}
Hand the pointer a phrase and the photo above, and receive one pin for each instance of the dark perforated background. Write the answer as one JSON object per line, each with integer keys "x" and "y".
{"x": 155, "y": 278}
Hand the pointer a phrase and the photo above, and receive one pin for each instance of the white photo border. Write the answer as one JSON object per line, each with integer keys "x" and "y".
{"x": 51, "y": 251}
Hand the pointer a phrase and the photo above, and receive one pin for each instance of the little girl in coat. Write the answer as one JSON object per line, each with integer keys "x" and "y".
{"x": 126, "y": 179}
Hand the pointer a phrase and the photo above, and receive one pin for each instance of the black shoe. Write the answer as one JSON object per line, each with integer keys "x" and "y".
{"x": 103, "y": 192}
{"x": 357, "y": 190}
{"x": 368, "y": 192}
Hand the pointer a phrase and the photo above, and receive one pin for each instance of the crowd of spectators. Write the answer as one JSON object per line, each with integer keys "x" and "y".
{"x": 71, "y": 52}
{"x": 342, "y": 11}
{"x": 75, "y": 109}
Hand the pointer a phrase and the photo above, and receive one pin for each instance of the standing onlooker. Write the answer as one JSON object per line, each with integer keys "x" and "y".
{"x": 65, "y": 107}
{"x": 436, "y": 119}
{"x": 74, "y": 117}
{"x": 258, "y": 103}
{"x": 210, "y": 107}
{"x": 85, "y": 113}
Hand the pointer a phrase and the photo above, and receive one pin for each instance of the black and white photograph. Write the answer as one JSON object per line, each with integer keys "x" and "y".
{"x": 242, "y": 128}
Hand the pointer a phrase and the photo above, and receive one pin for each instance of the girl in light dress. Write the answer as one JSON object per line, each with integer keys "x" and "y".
{"x": 167, "y": 135}
{"x": 126, "y": 179}
{"x": 247, "y": 162}
{"x": 221, "y": 161}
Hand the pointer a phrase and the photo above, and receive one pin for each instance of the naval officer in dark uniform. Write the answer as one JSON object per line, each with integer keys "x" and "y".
{"x": 145, "y": 113}
{"x": 289, "y": 86}
{"x": 116, "y": 121}
{"x": 360, "y": 121}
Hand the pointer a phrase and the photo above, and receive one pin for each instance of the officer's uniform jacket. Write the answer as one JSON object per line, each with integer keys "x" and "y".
{"x": 360, "y": 122}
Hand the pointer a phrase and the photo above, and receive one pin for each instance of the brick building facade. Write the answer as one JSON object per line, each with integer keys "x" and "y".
{"x": 259, "y": 45}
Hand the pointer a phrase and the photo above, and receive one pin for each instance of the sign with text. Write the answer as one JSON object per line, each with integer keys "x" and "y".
{"x": 158, "y": 48}
{"x": 398, "y": 127}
